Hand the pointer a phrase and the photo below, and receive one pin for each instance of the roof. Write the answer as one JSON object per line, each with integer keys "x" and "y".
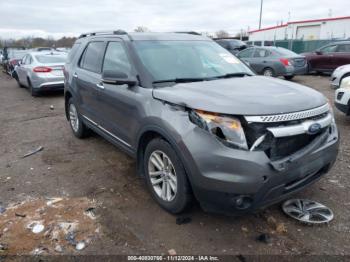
{"x": 301, "y": 22}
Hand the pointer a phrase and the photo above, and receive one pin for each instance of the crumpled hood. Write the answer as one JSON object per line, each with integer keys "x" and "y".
{"x": 255, "y": 95}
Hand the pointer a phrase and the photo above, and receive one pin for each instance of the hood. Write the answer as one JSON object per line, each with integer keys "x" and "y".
{"x": 255, "y": 95}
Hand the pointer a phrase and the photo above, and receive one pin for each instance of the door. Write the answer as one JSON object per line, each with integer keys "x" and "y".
{"x": 119, "y": 102}
{"x": 323, "y": 59}
{"x": 22, "y": 70}
{"x": 87, "y": 78}
{"x": 261, "y": 60}
{"x": 246, "y": 56}
{"x": 342, "y": 56}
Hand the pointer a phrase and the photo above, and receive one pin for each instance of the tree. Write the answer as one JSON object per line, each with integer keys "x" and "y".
{"x": 141, "y": 29}
{"x": 221, "y": 34}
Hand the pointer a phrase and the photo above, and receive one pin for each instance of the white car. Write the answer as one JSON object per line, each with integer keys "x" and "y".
{"x": 342, "y": 96}
{"x": 339, "y": 74}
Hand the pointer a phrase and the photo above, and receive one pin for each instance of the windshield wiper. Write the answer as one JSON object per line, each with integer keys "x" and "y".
{"x": 180, "y": 80}
{"x": 239, "y": 74}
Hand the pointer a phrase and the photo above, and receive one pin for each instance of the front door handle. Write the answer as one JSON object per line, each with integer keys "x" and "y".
{"x": 75, "y": 75}
{"x": 100, "y": 85}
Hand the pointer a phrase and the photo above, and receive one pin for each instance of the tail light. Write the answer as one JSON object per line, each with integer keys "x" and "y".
{"x": 285, "y": 62}
{"x": 42, "y": 69}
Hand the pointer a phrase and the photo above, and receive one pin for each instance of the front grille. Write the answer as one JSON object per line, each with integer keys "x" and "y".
{"x": 289, "y": 116}
{"x": 280, "y": 147}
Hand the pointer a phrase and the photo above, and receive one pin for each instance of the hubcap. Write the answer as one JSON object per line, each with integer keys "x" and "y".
{"x": 162, "y": 175}
{"x": 267, "y": 73}
{"x": 73, "y": 117}
{"x": 308, "y": 211}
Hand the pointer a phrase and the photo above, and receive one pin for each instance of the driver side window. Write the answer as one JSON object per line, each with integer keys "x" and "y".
{"x": 329, "y": 49}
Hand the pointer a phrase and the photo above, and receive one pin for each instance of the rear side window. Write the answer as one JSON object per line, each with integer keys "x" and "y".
{"x": 92, "y": 57}
{"x": 72, "y": 53}
{"x": 116, "y": 58}
{"x": 344, "y": 48}
{"x": 261, "y": 53}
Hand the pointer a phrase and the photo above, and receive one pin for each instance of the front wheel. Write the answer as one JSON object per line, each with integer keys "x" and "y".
{"x": 166, "y": 177}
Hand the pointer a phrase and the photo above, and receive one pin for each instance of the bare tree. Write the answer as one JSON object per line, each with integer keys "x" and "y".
{"x": 141, "y": 29}
{"x": 222, "y": 34}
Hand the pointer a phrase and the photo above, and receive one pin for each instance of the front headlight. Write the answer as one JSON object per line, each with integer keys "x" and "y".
{"x": 345, "y": 83}
{"x": 227, "y": 129}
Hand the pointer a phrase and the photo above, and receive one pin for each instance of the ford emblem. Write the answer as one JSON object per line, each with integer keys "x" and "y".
{"x": 314, "y": 129}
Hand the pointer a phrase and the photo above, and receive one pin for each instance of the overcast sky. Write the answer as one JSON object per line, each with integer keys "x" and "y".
{"x": 71, "y": 17}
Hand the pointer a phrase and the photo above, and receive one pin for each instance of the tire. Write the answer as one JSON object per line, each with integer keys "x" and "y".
{"x": 288, "y": 77}
{"x": 268, "y": 72}
{"x": 80, "y": 130}
{"x": 174, "y": 202}
{"x": 32, "y": 91}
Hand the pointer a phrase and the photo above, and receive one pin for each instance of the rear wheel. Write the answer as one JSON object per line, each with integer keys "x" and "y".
{"x": 288, "y": 77}
{"x": 32, "y": 90}
{"x": 268, "y": 72}
{"x": 166, "y": 177}
{"x": 79, "y": 129}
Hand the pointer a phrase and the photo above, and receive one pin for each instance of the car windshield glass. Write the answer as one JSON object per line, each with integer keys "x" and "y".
{"x": 167, "y": 60}
{"x": 47, "y": 59}
{"x": 284, "y": 52}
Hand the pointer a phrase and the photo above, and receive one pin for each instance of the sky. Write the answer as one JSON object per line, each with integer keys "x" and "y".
{"x": 21, "y": 18}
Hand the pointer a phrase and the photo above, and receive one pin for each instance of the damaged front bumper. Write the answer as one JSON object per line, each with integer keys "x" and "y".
{"x": 233, "y": 181}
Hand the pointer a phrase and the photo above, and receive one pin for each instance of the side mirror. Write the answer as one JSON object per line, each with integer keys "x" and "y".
{"x": 318, "y": 52}
{"x": 118, "y": 78}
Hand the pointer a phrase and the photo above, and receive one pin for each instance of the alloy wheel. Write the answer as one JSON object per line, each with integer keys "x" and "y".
{"x": 307, "y": 211}
{"x": 73, "y": 117}
{"x": 162, "y": 175}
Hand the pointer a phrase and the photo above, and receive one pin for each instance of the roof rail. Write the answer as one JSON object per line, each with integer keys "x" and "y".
{"x": 188, "y": 32}
{"x": 115, "y": 32}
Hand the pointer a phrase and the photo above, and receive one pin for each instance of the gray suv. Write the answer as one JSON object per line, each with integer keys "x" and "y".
{"x": 199, "y": 122}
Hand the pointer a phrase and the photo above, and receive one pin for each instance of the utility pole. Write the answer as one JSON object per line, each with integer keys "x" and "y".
{"x": 261, "y": 6}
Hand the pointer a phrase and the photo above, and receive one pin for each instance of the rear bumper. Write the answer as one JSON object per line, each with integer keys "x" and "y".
{"x": 57, "y": 85}
{"x": 223, "y": 177}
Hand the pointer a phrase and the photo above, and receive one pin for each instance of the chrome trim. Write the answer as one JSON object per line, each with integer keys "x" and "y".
{"x": 300, "y": 128}
{"x": 258, "y": 142}
{"x": 289, "y": 116}
{"x": 52, "y": 83}
{"x": 106, "y": 131}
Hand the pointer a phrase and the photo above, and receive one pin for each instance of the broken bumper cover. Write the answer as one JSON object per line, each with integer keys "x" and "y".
{"x": 229, "y": 181}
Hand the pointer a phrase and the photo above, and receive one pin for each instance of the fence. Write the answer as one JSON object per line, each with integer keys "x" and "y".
{"x": 298, "y": 46}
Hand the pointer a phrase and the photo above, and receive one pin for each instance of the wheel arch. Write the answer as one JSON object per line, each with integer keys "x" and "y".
{"x": 151, "y": 132}
{"x": 67, "y": 96}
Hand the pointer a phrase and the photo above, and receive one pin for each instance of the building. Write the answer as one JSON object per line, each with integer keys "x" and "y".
{"x": 318, "y": 29}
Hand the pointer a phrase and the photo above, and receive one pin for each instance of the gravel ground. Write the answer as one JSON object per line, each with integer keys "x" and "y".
{"x": 129, "y": 220}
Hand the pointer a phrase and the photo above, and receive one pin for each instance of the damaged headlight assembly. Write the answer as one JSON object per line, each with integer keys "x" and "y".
{"x": 225, "y": 128}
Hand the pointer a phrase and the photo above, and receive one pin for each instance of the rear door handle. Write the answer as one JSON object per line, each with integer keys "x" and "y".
{"x": 100, "y": 85}
{"x": 75, "y": 75}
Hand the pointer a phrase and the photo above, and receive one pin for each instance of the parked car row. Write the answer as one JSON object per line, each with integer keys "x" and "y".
{"x": 278, "y": 61}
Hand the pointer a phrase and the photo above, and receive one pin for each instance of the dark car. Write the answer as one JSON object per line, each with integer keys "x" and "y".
{"x": 198, "y": 121}
{"x": 14, "y": 57}
{"x": 232, "y": 45}
{"x": 329, "y": 57}
{"x": 274, "y": 61}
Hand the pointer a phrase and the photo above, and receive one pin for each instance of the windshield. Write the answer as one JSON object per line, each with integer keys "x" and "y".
{"x": 48, "y": 59}
{"x": 167, "y": 60}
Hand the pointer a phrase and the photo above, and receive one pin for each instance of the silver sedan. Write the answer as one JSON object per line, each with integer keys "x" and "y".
{"x": 40, "y": 71}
